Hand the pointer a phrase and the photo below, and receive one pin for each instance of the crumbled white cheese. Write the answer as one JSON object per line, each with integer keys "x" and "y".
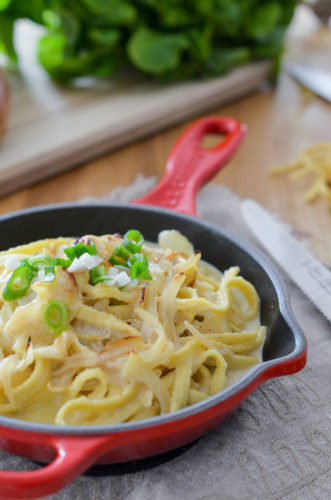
{"x": 49, "y": 277}
{"x": 112, "y": 272}
{"x": 120, "y": 268}
{"x": 41, "y": 274}
{"x": 85, "y": 261}
{"x": 75, "y": 266}
{"x": 122, "y": 279}
{"x": 90, "y": 261}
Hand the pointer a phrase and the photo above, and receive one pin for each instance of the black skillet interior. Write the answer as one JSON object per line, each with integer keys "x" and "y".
{"x": 218, "y": 248}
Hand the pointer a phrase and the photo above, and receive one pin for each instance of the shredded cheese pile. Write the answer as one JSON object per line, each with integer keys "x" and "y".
{"x": 313, "y": 160}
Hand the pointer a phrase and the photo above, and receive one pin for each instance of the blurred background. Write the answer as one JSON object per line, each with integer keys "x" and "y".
{"x": 89, "y": 76}
{"x": 169, "y": 40}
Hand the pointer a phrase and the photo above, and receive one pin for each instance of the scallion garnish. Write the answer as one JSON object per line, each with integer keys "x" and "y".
{"x": 138, "y": 264}
{"x": 133, "y": 240}
{"x": 39, "y": 261}
{"x": 49, "y": 273}
{"x": 19, "y": 282}
{"x": 33, "y": 269}
{"x": 139, "y": 267}
{"x": 56, "y": 316}
{"x": 98, "y": 274}
{"x": 42, "y": 263}
{"x": 61, "y": 262}
{"x": 120, "y": 256}
{"x": 79, "y": 249}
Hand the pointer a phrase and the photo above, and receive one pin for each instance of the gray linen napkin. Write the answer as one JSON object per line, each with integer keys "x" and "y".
{"x": 275, "y": 446}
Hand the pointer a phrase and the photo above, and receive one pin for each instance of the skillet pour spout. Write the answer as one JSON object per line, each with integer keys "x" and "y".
{"x": 69, "y": 450}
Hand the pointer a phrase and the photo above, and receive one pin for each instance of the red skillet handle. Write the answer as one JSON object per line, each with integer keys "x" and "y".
{"x": 73, "y": 457}
{"x": 190, "y": 165}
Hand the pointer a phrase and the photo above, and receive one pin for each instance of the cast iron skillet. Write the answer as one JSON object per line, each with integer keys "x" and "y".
{"x": 71, "y": 450}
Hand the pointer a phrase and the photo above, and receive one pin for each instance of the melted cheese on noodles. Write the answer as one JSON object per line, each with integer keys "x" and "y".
{"x": 149, "y": 348}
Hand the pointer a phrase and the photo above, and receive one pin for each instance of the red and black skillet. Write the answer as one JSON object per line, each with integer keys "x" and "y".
{"x": 69, "y": 451}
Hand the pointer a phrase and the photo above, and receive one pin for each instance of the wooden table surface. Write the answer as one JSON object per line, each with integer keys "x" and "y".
{"x": 281, "y": 122}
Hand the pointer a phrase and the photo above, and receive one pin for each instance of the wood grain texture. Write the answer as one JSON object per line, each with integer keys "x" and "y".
{"x": 281, "y": 122}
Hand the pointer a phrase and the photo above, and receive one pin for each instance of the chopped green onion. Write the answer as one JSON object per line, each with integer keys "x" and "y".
{"x": 120, "y": 256}
{"x": 49, "y": 273}
{"x": 39, "y": 261}
{"x": 33, "y": 269}
{"x": 19, "y": 282}
{"x": 56, "y": 316}
{"x": 133, "y": 240}
{"x": 61, "y": 262}
{"x": 98, "y": 274}
{"x": 77, "y": 250}
{"x": 139, "y": 267}
{"x": 42, "y": 261}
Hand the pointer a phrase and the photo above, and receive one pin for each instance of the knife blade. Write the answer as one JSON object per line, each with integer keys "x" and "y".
{"x": 313, "y": 277}
{"x": 318, "y": 81}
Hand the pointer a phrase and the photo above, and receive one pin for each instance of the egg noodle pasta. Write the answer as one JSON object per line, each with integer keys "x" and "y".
{"x": 109, "y": 329}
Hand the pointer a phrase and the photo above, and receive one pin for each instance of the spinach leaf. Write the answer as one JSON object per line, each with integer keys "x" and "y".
{"x": 4, "y": 4}
{"x": 221, "y": 60}
{"x": 112, "y": 12}
{"x": 166, "y": 39}
{"x": 155, "y": 52}
{"x": 104, "y": 37}
{"x": 6, "y": 36}
{"x": 264, "y": 20}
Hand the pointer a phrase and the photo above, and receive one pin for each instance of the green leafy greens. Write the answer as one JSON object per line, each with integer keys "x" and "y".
{"x": 166, "y": 39}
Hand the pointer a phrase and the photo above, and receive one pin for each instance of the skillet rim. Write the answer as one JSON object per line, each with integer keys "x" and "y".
{"x": 255, "y": 373}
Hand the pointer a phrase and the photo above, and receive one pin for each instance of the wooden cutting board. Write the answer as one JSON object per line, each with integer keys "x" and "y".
{"x": 53, "y": 128}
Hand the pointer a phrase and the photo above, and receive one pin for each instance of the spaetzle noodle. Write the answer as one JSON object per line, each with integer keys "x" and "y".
{"x": 316, "y": 161}
{"x": 127, "y": 348}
